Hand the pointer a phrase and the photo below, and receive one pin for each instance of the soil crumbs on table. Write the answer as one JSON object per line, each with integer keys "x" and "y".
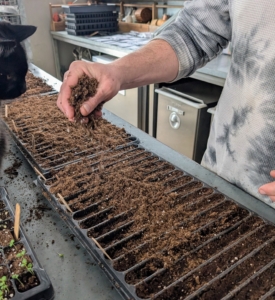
{"x": 12, "y": 171}
{"x": 36, "y": 212}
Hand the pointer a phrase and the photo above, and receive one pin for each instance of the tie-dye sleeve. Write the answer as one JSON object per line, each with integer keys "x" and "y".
{"x": 200, "y": 32}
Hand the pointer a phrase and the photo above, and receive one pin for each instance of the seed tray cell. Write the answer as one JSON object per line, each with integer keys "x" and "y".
{"x": 169, "y": 235}
{"x": 9, "y": 262}
{"x": 48, "y": 145}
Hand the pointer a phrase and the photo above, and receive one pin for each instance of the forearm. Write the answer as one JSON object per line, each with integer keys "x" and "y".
{"x": 155, "y": 62}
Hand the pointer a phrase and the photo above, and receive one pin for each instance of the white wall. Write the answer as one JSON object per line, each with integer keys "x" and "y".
{"x": 37, "y": 12}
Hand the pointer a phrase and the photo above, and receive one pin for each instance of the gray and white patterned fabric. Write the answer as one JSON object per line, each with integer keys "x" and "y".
{"x": 241, "y": 146}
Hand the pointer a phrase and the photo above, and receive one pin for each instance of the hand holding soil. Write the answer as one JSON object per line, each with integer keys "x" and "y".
{"x": 85, "y": 89}
{"x": 108, "y": 87}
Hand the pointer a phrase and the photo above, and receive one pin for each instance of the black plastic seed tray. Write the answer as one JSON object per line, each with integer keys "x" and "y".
{"x": 57, "y": 160}
{"x": 44, "y": 289}
{"x": 88, "y": 18}
{"x": 223, "y": 239}
{"x": 89, "y": 22}
{"x": 68, "y": 9}
{"x": 92, "y": 26}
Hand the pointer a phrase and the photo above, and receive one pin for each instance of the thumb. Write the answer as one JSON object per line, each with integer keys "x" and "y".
{"x": 90, "y": 105}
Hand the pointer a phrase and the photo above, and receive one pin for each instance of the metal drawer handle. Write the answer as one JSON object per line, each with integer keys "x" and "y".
{"x": 171, "y": 108}
{"x": 174, "y": 120}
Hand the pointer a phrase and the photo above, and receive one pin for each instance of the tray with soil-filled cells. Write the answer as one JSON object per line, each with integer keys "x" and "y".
{"x": 36, "y": 85}
{"x": 48, "y": 140}
{"x": 21, "y": 276}
{"x": 160, "y": 233}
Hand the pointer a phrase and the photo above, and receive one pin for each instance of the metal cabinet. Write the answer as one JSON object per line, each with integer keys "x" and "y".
{"x": 182, "y": 119}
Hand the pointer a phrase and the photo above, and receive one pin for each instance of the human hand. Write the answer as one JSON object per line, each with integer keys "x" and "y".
{"x": 108, "y": 87}
{"x": 269, "y": 188}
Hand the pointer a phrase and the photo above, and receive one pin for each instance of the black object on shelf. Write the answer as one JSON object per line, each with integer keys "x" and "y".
{"x": 44, "y": 289}
{"x": 89, "y": 22}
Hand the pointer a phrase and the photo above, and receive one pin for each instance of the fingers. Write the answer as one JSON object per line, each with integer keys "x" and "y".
{"x": 70, "y": 79}
{"x": 269, "y": 188}
{"x": 107, "y": 89}
{"x": 98, "y": 114}
{"x": 90, "y": 105}
{"x": 84, "y": 120}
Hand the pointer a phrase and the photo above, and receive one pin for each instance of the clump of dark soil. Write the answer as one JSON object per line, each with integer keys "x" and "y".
{"x": 36, "y": 212}
{"x": 12, "y": 171}
{"x": 28, "y": 280}
{"x": 85, "y": 89}
{"x": 5, "y": 237}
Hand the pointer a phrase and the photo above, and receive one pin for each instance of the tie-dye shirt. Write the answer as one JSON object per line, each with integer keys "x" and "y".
{"x": 241, "y": 145}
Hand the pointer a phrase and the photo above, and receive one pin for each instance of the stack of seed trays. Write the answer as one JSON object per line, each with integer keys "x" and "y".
{"x": 21, "y": 276}
{"x": 160, "y": 233}
{"x": 84, "y": 20}
{"x": 48, "y": 140}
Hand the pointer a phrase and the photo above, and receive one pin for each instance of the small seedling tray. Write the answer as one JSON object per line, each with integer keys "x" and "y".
{"x": 44, "y": 289}
{"x": 222, "y": 237}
